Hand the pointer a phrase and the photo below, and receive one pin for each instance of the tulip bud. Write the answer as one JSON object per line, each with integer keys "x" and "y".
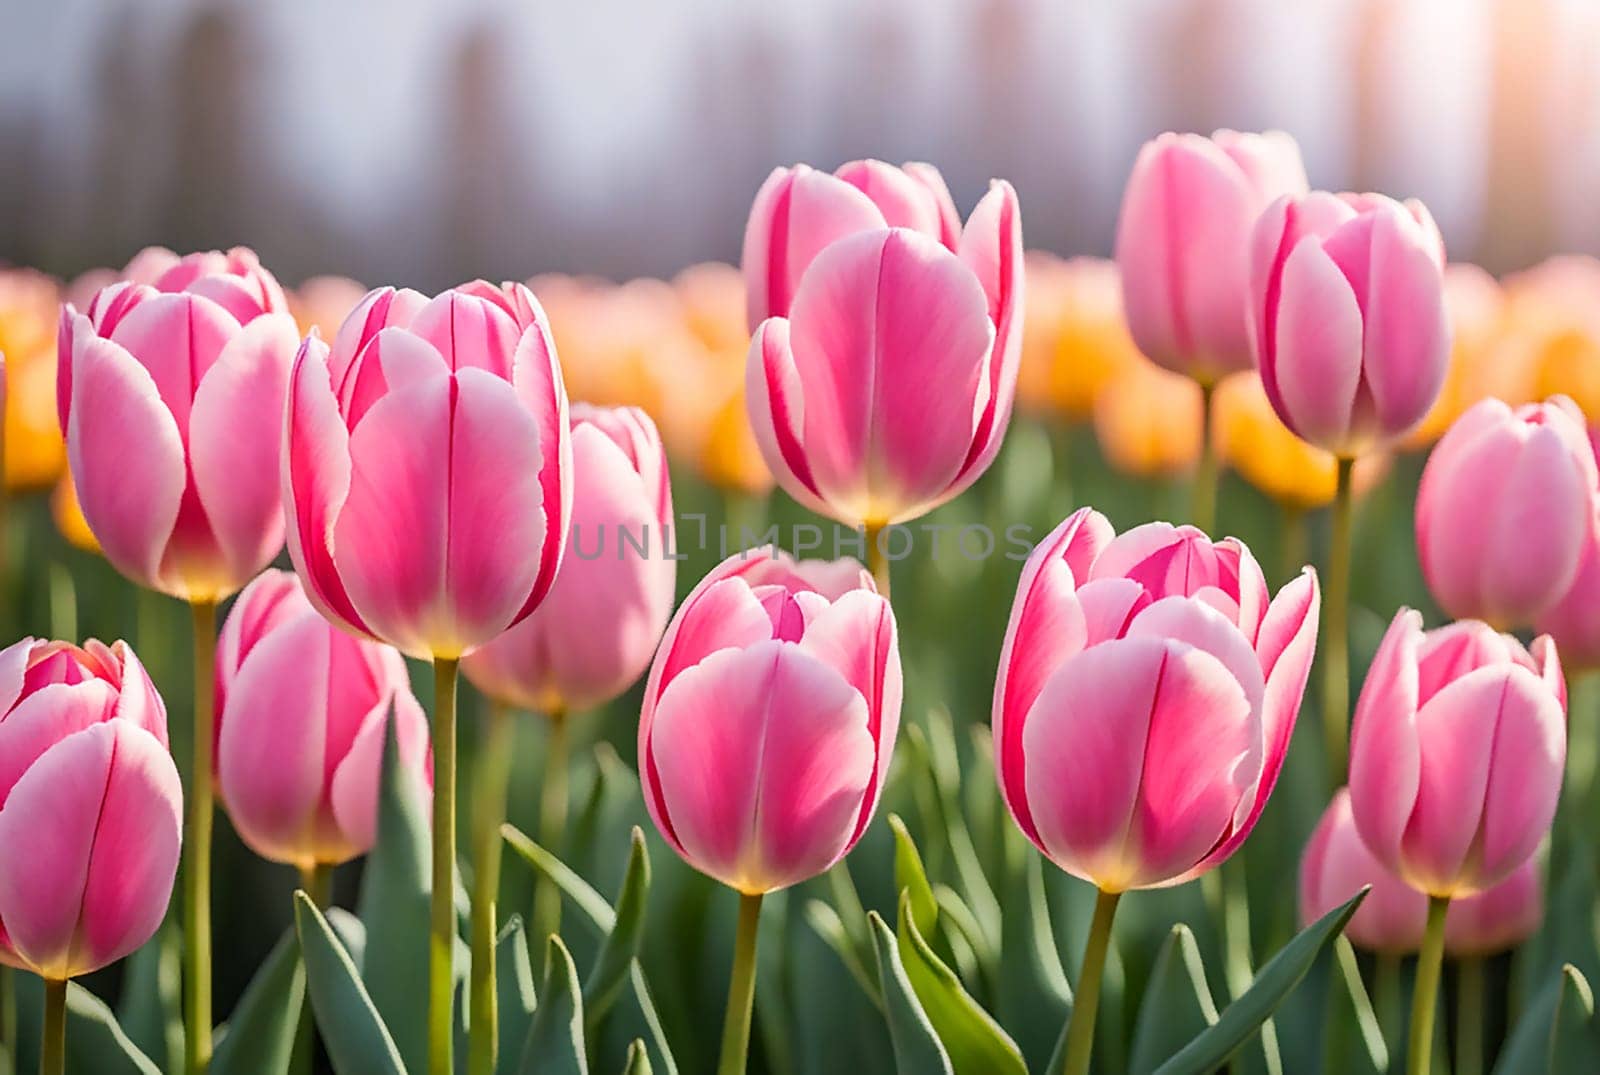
{"x": 887, "y": 389}
{"x": 1183, "y": 243}
{"x": 169, "y": 394}
{"x": 1505, "y": 510}
{"x": 426, "y": 467}
{"x": 90, "y": 807}
{"x": 799, "y": 211}
{"x": 1456, "y": 754}
{"x": 596, "y": 631}
{"x": 1145, "y": 699}
{"x": 301, "y": 711}
{"x": 1394, "y": 915}
{"x": 769, "y": 719}
{"x": 1347, "y": 317}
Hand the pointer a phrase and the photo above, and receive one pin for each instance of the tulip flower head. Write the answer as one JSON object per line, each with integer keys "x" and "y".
{"x": 886, "y": 389}
{"x": 34, "y": 453}
{"x": 1506, "y": 510}
{"x": 1348, "y": 319}
{"x": 301, "y": 711}
{"x": 1393, "y": 917}
{"x": 596, "y": 631}
{"x": 169, "y": 394}
{"x": 1456, "y": 753}
{"x": 90, "y": 807}
{"x": 770, "y": 717}
{"x": 1075, "y": 338}
{"x": 1183, "y": 242}
{"x": 426, "y": 467}
{"x": 1146, "y": 694}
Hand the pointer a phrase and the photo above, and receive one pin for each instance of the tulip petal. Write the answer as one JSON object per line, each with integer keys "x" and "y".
{"x": 856, "y": 636}
{"x": 904, "y": 200}
{"x": 353, "y": 792}
{"x": 13, "y": 670}
{"x": 949, "y": 219}
{"x": 235, "y": 433}
{"x": 1526, "y": 763}
{"x": 797, "y": 213}
{"x": 764, "y": 758}
{"x": 1317, "y": 333}
{"x": 776, "y": 404}
{"x": 130, "y": 501}
{"x": 316, "y": 483}
{"x": 1406, "y": 344}
{"x": 138, "y": 700}
{"x": 1384, "y": 760}
{"x": 384, "y": 307}
{"x": 991, "y": 246}
{"x": 177, "y": 338}
{"x": 44, "y": 718}
{"x": 277, "y": 708}
{"x": 536, "y": 378}
{"x": 891, "y": 338}
{"x": 469, "y": 331}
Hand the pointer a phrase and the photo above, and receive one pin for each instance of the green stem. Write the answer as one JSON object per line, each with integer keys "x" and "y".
{"x": 197, "y": 844}
{"x": 1386, "y": 999}
{"x": 741, "y": 989}
{"x": 1080, "y": 1024}
{"x": 441, "y": 952}
{"x": 1204, "y": 511}
{"x": 316, "y": 880}
{"x": 877, "y": 559}
{"x": 1469, "y": 1016}
{"x": 493, "y": 777}
{"x": 8, "y": 1012}
{"x": 1425, "y": 991}
{"x": 552, "y": 823}
{"x": 1336, "y": 634}
{"x": 53, "y": 1046}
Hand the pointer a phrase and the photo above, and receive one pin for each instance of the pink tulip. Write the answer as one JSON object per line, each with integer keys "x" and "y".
{"x": 1394, "y": 915}
{"x": 1146, "y": 694}
{"x": 1574, "y": 620}
{"x": 597, "y": 630}
{"x": 1347, "y": 317}
{"x": 1183, "y": 243}
{"x": 1506, "y": 510}
{"x": 1456, "y": 753}
{"x": 301, "y": 712}
{"x": 90, "y": 807}
{"x": 887, "y": 389}
{"x": 426, "y": 467}
{"x": 769, "y": 718}
{"x": 170, "y": 397}
{"x": 799, "y": 211}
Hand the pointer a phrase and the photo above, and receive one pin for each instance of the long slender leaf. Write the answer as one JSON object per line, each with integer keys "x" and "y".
{"x": 1177, "y": 1002}
{"x": 259, "y": 1036}
{"x": 638, "y": 1062}
{"x": 974, "y": 1041}
{"x": 1243, "y": 1018}
{"x": 555, "y": 1037}
{"x": 358, "y": 1043}
{"x": 910, "y": 877}
{"x": 621, "y": 945}
{"x": 151, "y": 1009}
{"x": 394, "y": 908}
{"x": 513, "y": 987}
{"x": 580, "y": 892}
{"x": 1574, "y": 1043}
{"x": 95, "y": 1041}
{"x": 917, "y": 1050}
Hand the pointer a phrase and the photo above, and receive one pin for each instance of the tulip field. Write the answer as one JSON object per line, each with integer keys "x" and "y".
{"x": 905, "y": 651}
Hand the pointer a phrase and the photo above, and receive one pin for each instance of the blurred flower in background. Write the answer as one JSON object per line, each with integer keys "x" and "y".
{"x": 1475, "y": 306}
{"x": 323, "y": 302}
{"x": 34, "y": 451}
{"x": 1149, "y": 421}
{"x": 1074, "y": 337}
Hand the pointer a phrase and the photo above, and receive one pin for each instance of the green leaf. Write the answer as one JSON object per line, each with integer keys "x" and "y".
{"x": 974, "y": 1041}
{"x": 638, "y": 1059}
{"x": 945, "y": 761}
{"x": 826, "y": 923}
{"x": 95, "y": 1041}
{"x": 917, "y": 1050}
{"x": 353, "y": 1031}
{"x": 555, "y": 1037}
{"x": 513, "y": 986}
{"x": 1177, "y": 1002}
{"x": 1527, "y": 1047}
{"x": 621, "y": 945}
{"x": 1032, "y": 996}
{"x": 1354, "y": 1044}
{"x": 580, "y": 892}
{"x": 1574, "y": 1046}
{"x": 394, "y": 908}
{"x": 259, "y": 1036}
{"x": 1275, "y": 981}
{"x": 151, "y": 1008}
{"x": 910, "y": 877}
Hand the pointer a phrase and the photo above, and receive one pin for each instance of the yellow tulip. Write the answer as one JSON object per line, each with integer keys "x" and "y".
{"x": 1551, "y": 339}
{"x": 69, "y": 516}
{"x": 1476, "y": 306}
{"x": 1074, "y": 338}
{"x": 1148, "y": 421}
{"x": 323, "y": 302}
{"x": 34, "y": 452}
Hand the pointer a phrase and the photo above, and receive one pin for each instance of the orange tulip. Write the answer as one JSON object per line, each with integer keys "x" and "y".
{"x": 1551, "y": 340}
{"x": 34, "y": 451}
{"x": 1075, "y": 339}
{"x": 1148, "y": 421}
{"x": 323, "y": 302}
{"x": 1476, "y": 306}
{"x": 69, "y": 516}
